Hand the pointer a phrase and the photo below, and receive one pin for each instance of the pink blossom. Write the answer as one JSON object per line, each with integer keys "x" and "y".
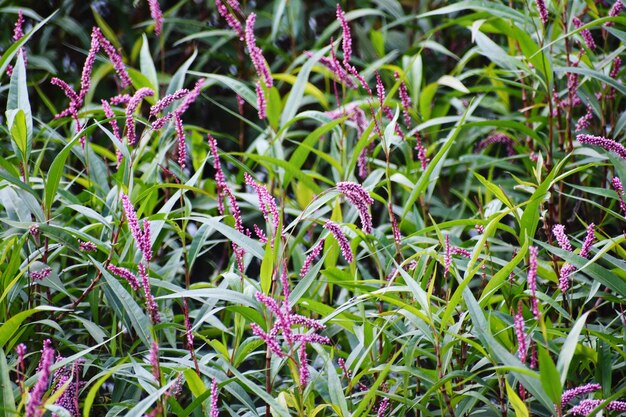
{"x": 532, "y": 280}
{"x": 585, "y": 407}
{"x": 87, "y": 246}
{"x": 580, "y": 390}
{"x": 382, "y": 408}
{"x": 126, "y": 274}
{"x": 615, "y": 11}
{"x": 220, "y": 179}
{"x": 41, "y": 274}
{"x": 114, "y": 56}
{"x": 166, "y": 101}
{"x": 359, "y": 198}
{"x": 566, "y": 271}
{"x": 304, "y": 366}
{"x": 585, "y": 33}
{"x": 543, "y": 11}
{"x": 151, "y": 304}
{"x": 153, "y": 358}
{"x": 347, "y": 37}
{"x": 522, "y": 346}
{"x": 558, "y": 230}
{"x": 230, "y": 19}
{"x": 604, "y": 143}
{"x": 255, "y": 52}
{"x": 215, "y": 412}
{"x": 341, "y": 239}
{"x": 157, "y": 16}
{"x": 585, "y": 121}
{"x": 267, "y": 202}
{"x": 619, "y": 189}
{"x": 41, "y": 385}
{"x": 260, "y": 100}
{"x": 133, "y": 104}
{"x": 108, "y": 112}
{"x": 180, "y": 135}
{"x": 315, "y": 252}
{"x": 589, "y": 238}
{"x": 497, "y": 137}
{"x": 421, "y": 151}
{"x": 447, "y": 257}
{"x": 405, "y": 100}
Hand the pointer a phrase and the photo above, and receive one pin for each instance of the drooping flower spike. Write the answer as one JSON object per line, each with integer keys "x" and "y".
{"x": 157, "y": 16}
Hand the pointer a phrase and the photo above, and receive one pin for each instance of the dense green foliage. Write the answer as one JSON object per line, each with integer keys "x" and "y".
{"x": 488, "y": 125}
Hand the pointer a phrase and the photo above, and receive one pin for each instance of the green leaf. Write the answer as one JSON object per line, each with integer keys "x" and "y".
{"x": 125, "y": 306}
{"x": 18, "y": 100}
{"x": 267, "y": 268}
{"x": 16, "y": 120}
{"x": 10, "y": 327}
{"x": 550, "y": 378}
{"x": 54, "y": 175}
{"x": 7, "y": 400}
{"x": 146, "y": 65}
{"x": 194, "y": 382}
{"x": 569, "y": 347}
{"x": 518, "y": 405}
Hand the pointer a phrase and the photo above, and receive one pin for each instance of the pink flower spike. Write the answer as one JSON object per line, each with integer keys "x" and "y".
{"x": 182, "y": 146}
{"x": 41, "y": 385}
{"x": 315, "y": 252}
{"x": 113, "y": 55}
{"x": 447, "y": 257}
{"x": 271, "y": 342}
{"x": 532, "y": 280}
{"x": 18, "y": 31}
{"x": 604, "y": 143}
{"x": 191, "y": 97}
{"x": 215, "y": 412}
{"x": 341, "y": 239}
{"x": 108, "y": 112}
{"x": 126, "y": 274}
{"x": 133, "y": 104}
{"x": 581, "y": 390}
{"x": 566, "y": 271}
{"x": 589, "y": 238}
{"x": 260, "y": 100}
{"x": 230, "y": 19}
{"x": 347, "y": 37}
{"x": 167, "y": 101}
{"x": 522, "y": 346}
{"x": 543, "y": 11}
{"x": 220, "y": 179}
{"x": 133, "y": 223}
{"x": 151, "y": 304}
{"x": 157, "y": 16}
{"x": 619, "y": 189}
{"x": 188, "y": 332}
{"x": 153, "y": 358}
{"x": 87, "y": 246}
{"x": 146, "y": 241}
{"x": 69, "y": 91}
{"x": 615, "y": 11}
{"x": 41, "y": 274}
{"x": 361, "y": 199}
{"x": 382, "y": 408}
{"x": 421, "y": 151}
{"x": 617, "y": 63}
{"x": 397, "y": 236}
{"x": 558, "y": 230}
{"x": 304, "y": 366}
{"x": 405, "y": 100}
{"x": 256, "y": 54}
{"x": 585, "y": 33}
{"x": 585, "y": 121}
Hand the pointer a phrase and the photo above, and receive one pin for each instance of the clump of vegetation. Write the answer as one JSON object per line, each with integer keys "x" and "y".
{"x": 313, "y": 209}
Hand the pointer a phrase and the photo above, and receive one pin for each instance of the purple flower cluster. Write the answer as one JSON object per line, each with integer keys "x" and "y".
{"x": 543, "y": 11}
{"x": 230, "y": 19}
{"x": 256, "y": 54}
{"x": 267, "y": 203}
{"x": 20, "y": 366}
{"x": 581, "y": 390}
{"x": 615, "y": 11}
{"x": 585, "y": 33}
{"x": 41, "y": 274}
{"x": 405, "y": 100}
{"x": 157, "y": 15}
{"x": 347, "y": 49}
{"x": 153, "y": 358}
{"x": 224, "y": 190}
{"x": 619, "y": 189}
{"x": 522, "y": 346}
{"x": 589, "y": 238}
{"x": 447, "y": 257}
{"x": 397, "y": 236}
{"x": 532, "y": 280}
{"x": 87, "y": 246}
{"x": 360, "y": 198}
{"x": 69, "y": 397}
{"x": 604, "y": 143}
{"x": 215, "y": 412}
{"x": 142, "y": 238}
{"x": 188, "y": 97}
{"x": 285, "y": 320}
{"x": 308, "y": 261}
{"x": 421, "y": 151}
{"x": 133, "y": 104}
{"x": 108, "y": 112}
{"x": 382, "y": 408}
{"x": 497, "y": 137}
{"x": 341, "y": 239}
{"x": 153, "y": 308}
{"x": 585, "y": 407}
{"x": 18, "y": 33}
{"x": 126, "y": 274}
{"x": 558, "y": 230}
{"x": 261, "y": 101}
{"x": 34, "y": 403}
{"x": 585, "y": 121}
